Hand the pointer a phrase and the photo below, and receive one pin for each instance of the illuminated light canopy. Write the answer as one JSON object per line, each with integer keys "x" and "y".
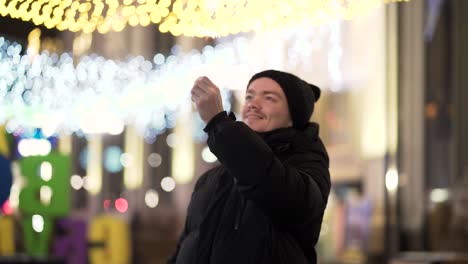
{"x": 98, "y": 95}
{"x": 221, "y": 18}
{"x": 184, "y": 17}
{"x": 98, "y": 122}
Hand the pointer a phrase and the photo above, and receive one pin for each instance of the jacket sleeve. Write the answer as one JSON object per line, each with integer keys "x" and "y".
{"x": 290, "y": 193}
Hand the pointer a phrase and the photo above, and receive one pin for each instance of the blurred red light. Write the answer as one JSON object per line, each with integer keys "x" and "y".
{"x": 106, "y": 204}
{"x": 121, "y": 205}
{"x": 6, "y": 208}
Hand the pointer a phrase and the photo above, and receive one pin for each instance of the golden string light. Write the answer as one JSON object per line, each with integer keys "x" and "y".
{"x": 184, "y": 17}
{"x": 87, "y": 15}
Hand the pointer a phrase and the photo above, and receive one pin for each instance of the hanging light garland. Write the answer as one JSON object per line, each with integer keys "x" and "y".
{"x": 87, "y": 16}
{"x": 99, "y": 95}
{"x": 185, "y": 17}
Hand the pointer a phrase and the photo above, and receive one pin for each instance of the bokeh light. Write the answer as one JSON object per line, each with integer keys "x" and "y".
{"x": 185, "y": 17}
{"x": 121, "y": 205}
{"x": 99, "y": 95}
{"x": 76, "y": 182}
{"x": 112, "y": 156}
{"x": 126, "y": 159}
{"x": 106, "y": 204}
{"x": 154, "y": 160}
{"x": 391, "y": 180}
{"x": 86, "y": 183}
{"x": 46, "y": 171}
{"x": 208, "y": 156}
{"x": 45, "y": 194}
{"x": 151, "y": 198}
{"x": 6, "y": 208}
{"x": 83, "y": 158}
{"x": 38, "y": 223}
{"x": 33, "y": 147}
{"x": 439, "y": 195}
{"x": 171, "y": 140}
{"x": 168, "y": 184}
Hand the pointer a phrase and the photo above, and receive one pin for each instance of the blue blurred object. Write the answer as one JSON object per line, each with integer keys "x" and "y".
{"x": 6, "y": 179}
{"x": 112, "y": 159}
{"x": 83, "y": 158}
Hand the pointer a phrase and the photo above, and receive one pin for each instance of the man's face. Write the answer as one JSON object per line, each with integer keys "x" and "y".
{"x": 265, "y": 107}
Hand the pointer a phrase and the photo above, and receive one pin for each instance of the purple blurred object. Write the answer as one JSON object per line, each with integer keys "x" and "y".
{"x": 434, "y": 7}
{"x": 70, "y": 241}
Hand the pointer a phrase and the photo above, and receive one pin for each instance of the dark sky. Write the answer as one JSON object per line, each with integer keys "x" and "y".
{"x": 18, "y": 30}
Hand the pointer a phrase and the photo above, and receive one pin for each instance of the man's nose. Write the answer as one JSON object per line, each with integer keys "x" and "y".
{"x": 253, "y": 104}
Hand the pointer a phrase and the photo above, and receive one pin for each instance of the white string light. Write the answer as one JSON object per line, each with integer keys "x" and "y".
{"x": 100, "y": 95}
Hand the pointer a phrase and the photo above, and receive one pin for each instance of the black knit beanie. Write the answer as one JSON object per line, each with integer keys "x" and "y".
{"x": 301, "y": 96}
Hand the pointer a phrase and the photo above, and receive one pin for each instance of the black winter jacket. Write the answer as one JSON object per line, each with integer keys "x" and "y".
{"x": 263, "y": 204}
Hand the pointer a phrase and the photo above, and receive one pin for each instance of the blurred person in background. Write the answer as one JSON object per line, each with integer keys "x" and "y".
{"x": 264, "y": 203}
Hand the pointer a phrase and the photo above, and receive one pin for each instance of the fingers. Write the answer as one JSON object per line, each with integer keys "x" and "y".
{"x": 197, "y": 89}
{"x": 197, "y": 92}
{"x": 206, "y": 84}
{"x": 203, "y": 87}
{"x": 206, "y": 81}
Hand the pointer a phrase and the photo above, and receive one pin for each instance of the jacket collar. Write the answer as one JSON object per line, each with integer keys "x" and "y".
{"x": 282, "y": 139}
{"x": 279, "y": 140}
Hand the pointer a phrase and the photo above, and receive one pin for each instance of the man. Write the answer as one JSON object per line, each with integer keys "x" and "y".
{"x": 265, "y": 202}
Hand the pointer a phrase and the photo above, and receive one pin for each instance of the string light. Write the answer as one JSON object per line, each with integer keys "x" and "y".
{"x": 98, "y": 95}
{"x": 185, "y": 17}
{"x": 221, "y": 18}
{"x": 46, "y": 90}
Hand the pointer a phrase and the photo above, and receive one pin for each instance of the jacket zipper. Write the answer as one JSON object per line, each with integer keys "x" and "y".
{"x": 241, "y": 211}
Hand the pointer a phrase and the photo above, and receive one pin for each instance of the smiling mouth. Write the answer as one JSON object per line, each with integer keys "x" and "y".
{"x": 254, "y": 117}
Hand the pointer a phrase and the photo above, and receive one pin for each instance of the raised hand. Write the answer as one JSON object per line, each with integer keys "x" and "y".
{"x": 207, "y": 98}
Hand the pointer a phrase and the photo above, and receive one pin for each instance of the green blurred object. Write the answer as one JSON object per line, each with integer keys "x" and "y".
{"x": 43, "y": 198}
{"x": 37, "y": 243}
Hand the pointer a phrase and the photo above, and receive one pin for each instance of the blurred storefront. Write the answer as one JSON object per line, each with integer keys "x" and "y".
{"x": 432, "y": 154}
